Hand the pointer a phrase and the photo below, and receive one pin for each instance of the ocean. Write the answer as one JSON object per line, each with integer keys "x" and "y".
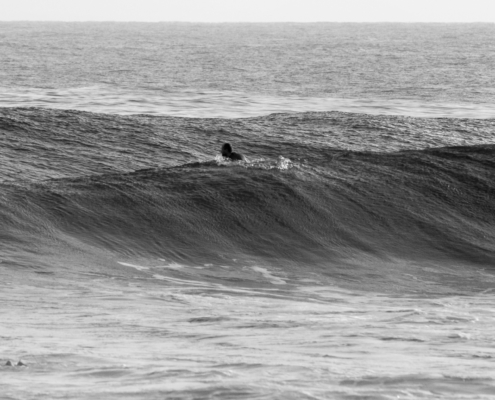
{"x": 350, "y": 256}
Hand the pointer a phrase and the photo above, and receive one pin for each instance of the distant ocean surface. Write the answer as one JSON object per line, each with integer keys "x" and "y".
{"x": 242, "y": 70}
{"x": 351, "y": 256}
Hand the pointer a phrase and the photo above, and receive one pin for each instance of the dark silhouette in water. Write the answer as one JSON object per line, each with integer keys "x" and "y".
{"x": 228, "y": 153}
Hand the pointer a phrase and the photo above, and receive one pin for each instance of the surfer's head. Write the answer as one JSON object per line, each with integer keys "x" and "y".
{"x": 226, "y": 150}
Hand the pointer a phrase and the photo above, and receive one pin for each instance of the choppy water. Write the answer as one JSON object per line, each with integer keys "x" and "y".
{"x": 351, "y": 256}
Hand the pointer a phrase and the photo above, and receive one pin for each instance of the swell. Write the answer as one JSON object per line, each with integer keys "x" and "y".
{"x": 42, "y": 143}
{"x": 421, "y": 206}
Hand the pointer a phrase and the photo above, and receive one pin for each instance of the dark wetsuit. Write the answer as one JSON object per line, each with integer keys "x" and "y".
{"x": 235, "y": 156}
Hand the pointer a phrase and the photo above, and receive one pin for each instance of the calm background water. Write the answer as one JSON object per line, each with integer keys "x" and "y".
{"x": 236, "y": 70}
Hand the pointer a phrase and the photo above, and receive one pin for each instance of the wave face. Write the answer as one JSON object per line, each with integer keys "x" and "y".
{"x": 354, "y": 216}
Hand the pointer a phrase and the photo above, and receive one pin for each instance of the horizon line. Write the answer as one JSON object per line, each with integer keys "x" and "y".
{"x": 256, "y": 22}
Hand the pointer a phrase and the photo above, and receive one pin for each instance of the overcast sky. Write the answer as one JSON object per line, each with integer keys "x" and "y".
{"x": 249, "y": 10}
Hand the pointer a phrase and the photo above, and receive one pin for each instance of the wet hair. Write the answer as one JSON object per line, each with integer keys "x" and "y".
{"x": 227, "y": 147}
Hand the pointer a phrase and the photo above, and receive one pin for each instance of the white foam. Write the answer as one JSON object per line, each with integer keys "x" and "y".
{"x": 171, "y": 266}
{"x": 284, "y": 163}
{"x": 281, "y": 163}
{"x": 183, "y": 281}
{"x": 266, "y": 274}
{"x": 138, "y": 267}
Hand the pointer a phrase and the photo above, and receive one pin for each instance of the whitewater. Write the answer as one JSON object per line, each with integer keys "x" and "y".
{"x": 350, "y": 257}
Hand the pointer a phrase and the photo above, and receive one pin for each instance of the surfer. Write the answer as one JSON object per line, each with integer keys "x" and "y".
{"x": 228, "y": 153}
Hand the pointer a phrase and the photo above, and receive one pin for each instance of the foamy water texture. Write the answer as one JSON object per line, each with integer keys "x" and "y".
{"x": 148, "y": 338}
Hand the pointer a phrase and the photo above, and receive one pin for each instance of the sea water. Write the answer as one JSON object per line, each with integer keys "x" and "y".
{"x": 350, "y": 257}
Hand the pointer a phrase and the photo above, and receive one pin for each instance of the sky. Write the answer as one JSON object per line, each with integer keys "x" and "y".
{"x": 249, "y": 10}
